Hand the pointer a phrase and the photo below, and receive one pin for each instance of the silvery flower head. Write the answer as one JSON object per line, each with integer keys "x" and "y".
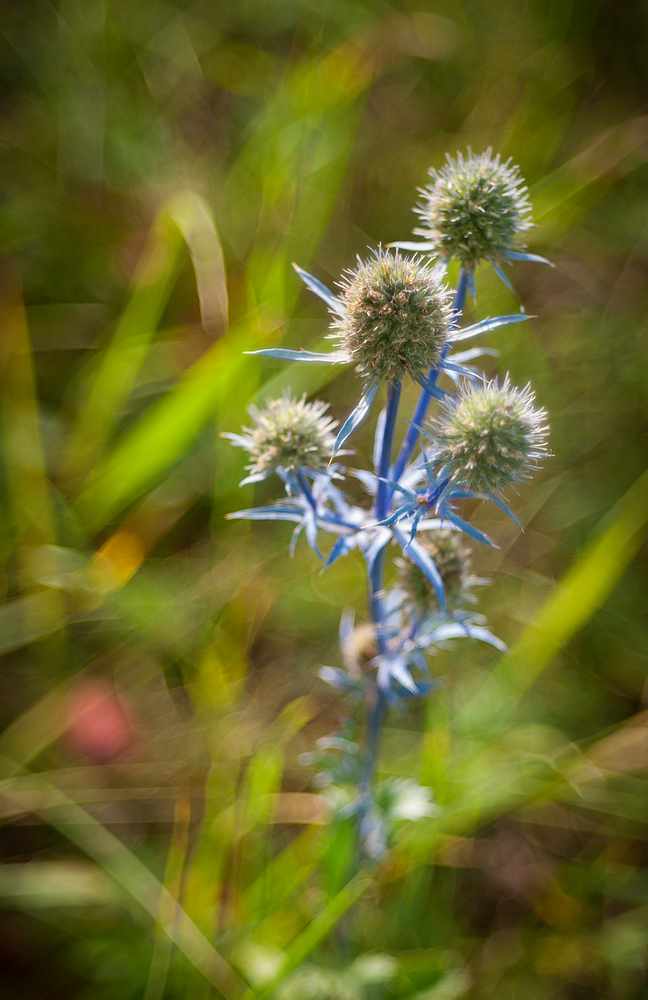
{"x": 452, "y": 559}
{"x": 289, "y": 434}
{"x": 475, "y": 209}
{"x": 490, "y": 436}
{"x": 396, "y": 316}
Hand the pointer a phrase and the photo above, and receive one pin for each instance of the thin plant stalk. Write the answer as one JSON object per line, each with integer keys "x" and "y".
{"x": 376, "y": 711}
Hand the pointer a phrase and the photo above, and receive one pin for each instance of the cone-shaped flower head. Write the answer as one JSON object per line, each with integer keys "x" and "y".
{"x": 396, "y": 317}
{"x": 475, "y": 209}
{"x": 452, "y": 559}
{"x": 289, "y": 434}
{"x": 490, "y": 436}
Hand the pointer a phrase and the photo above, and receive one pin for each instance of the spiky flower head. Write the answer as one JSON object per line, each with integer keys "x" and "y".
{"x": 453, "y": 561}
{"x": 490, "y": 436}
{"x": 289, "y": 434}
{"x": 396, "y": 317}
{"x": 475, "y": 209}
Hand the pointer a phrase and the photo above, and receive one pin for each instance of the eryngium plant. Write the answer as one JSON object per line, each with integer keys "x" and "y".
{"x": 288, "y": 434}
{"x": 475, "y": 209}
{"x": 490, "y": 436}
{"x": 394, "y": 318}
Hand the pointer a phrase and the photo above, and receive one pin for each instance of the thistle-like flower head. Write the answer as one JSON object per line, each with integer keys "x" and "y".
{"x": 490, "y": 436}
{"x": 289, "y": 434}
{"x": 453, "y": 561}
{"x": 396, "y": 316}
{"x": 475, "y": 209}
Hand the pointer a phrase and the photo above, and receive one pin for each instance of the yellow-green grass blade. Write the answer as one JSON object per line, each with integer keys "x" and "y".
{"x": 555, "y": 198}
{"x": 35, "y": 885}
{"x": 295, "y": 158}
{"x": 281, "y": 878}
{"x": 306, "y": 942}
{"x": 493, "y": 765}
{"x": 28, "y": 619}
{"x": 183, "y": 218}
{"x": 30, "y": 733}
{"x": 571, "y": 604}
{"x": 176, "y": 858}
{"x": 88, "y": 834}
{"x": 165, "y": 432}
{"x": 27, "y": 487}
{"x": 220, "y": 384}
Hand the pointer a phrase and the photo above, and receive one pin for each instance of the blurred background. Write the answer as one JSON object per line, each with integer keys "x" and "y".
{"x": 163, "y": 163}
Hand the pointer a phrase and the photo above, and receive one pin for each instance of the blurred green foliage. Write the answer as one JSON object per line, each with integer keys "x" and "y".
{"x": 163, "y": 163}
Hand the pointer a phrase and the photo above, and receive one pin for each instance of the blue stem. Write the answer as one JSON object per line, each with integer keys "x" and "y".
{"x": 383, "y": 492}
{"x": 418, "y": 417}
{"x": 383, "y": 495}
{"x": 305, "y": 488}
{"x": 376, "y": 710}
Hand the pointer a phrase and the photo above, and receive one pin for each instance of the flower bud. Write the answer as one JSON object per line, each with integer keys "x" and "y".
{"x": 475, "y": 208}
{"x": 360, "y": 649}
{"x": 453, "y": 561}
{"x": 397, "y": 316}
{"x": 490, "y": 436}
{"x": 289, "y": 434}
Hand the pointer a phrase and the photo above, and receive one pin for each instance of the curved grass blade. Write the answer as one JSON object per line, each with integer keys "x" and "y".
{"x": 82, "y": 829}
{"x": 183, "y": 218}
{"x": 26, "y": 485}
{"x": 573, "y": 601}
{"x": 166, "y": 431}
{"x": 306, "y": 942}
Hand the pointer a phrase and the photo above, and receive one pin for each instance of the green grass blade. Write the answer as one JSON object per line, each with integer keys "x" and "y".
{"x": 317, "y": 930}
{"x": 176, "y": 858}
{"x": 88, "y": 834}
{"x": 184, "y": 218}
{"x": 281, "y": 877}
{"x": 222, "y": 383}
{"x": 555, "y": 198}
{"x": 194, "y": 219}
{"x": 168, "y": 429}
{"x": 36, "y": 728}
{"x": 28, "y": 619}
{"x": 573, "y": 601}
{"x": 295, "y": 157}
{"x": 27, "y": 486}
